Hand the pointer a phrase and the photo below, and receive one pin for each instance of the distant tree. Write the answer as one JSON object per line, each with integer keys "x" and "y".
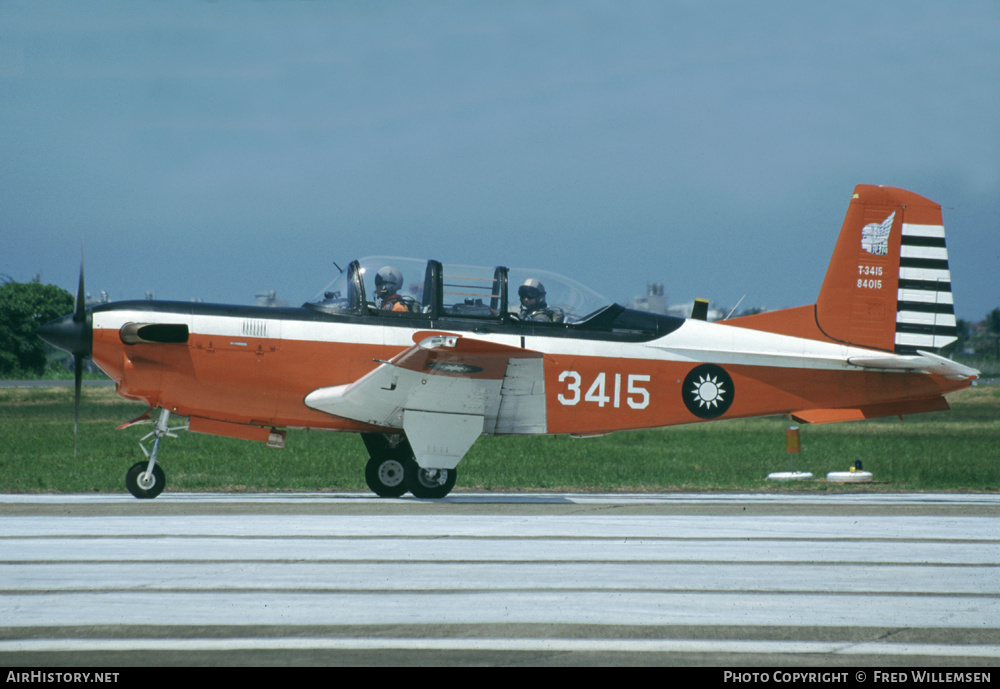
{"x": 993, "y": 321}
{"x": 24, "y": 306}
{"x": 983, "y": 339}
{"x": 963, "y": 331}
{"x": 993, "y": 328}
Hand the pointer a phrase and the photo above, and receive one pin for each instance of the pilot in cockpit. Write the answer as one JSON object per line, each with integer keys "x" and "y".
{"x": 533, "y": 306}
{"x": 388, "y": 281}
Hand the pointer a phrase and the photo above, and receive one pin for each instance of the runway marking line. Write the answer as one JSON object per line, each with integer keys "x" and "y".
{"x": 522, "y": 644}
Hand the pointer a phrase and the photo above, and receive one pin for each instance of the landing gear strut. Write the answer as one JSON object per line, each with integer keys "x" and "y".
{"x": 146, "y": 480}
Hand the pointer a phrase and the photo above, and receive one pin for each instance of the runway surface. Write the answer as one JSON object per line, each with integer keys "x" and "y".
{"x": 500, "y": 579}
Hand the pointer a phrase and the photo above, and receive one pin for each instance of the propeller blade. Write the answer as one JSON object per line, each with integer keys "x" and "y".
{"x": 80, "y": 316}
{"x": 81, "y": 296}
{"x": 78, "y": 384}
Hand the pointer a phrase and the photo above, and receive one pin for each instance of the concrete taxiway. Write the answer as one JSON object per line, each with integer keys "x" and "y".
{"x": 539, "y": 579}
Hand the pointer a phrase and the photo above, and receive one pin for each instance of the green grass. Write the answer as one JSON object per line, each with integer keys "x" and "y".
{"x": 956, "y": 450}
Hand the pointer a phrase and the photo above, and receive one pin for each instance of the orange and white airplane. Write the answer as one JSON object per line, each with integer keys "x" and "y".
{"x": 423, "y": 358}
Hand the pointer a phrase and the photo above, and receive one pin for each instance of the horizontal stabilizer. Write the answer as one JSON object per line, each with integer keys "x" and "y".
{"x": 925, "y": 362}
{"x": 871, "y": 411}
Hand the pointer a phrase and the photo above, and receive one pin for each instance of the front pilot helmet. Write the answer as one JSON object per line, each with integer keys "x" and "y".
{"x": 388, "y": 280}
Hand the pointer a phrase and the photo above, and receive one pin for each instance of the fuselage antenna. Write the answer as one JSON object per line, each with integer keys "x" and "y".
{"x": 735, "y": 307}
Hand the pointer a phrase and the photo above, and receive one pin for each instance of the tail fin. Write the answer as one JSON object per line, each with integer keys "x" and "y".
{"x": 888, "y": 286}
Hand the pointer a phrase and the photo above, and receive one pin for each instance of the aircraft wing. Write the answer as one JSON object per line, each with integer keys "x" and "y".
{"x": 444, "y": 392}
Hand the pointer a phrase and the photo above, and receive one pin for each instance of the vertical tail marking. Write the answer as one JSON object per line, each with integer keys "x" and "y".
{"x": 925, "y": 312}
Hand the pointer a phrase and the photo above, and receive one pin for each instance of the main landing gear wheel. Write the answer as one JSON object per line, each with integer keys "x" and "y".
{"x": 429, "y": 484}
{"x": 143, "y": 486}
{"x": 384, "y": 475}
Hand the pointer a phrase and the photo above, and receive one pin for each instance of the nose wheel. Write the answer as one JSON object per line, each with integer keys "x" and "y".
{"x": 146, "y": 480}
{"x": 145, "y": 484}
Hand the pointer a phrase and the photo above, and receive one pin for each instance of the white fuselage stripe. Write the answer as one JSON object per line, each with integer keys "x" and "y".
{"x": 695, "y": 340}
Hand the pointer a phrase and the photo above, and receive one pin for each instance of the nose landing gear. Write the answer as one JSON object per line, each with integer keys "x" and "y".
{"x": 146, "y": 480}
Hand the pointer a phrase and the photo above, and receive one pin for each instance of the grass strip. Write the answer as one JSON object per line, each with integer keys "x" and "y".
{"x": 956, "y": 450}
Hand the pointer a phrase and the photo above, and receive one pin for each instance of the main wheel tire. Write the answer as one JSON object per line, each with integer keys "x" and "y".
{"x": 429, "y": 484}
{"x": 385, "y": 476}
{"x": 148, "y": 489}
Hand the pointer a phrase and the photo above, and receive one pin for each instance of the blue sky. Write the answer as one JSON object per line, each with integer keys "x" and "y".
{"x": 220, "y": 149}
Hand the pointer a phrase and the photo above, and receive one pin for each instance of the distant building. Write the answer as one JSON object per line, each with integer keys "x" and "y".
{"x": 270, "y": 299}
{"x": 684, "y": 311}
{"x": 102, "y": 299}
{"x": 655, "y": 301}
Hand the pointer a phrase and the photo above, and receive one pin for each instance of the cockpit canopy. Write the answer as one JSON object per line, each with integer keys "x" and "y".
{"x": 431, "y": 289}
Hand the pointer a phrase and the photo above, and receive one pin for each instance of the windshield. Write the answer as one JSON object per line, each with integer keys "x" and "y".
{"x": 390, "y": 285}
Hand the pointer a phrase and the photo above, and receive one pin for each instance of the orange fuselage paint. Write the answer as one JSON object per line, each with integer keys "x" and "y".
{"x": 259, "y": 382}
{"x": 614, "y": 394}
{"x": 263, "y": 382}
